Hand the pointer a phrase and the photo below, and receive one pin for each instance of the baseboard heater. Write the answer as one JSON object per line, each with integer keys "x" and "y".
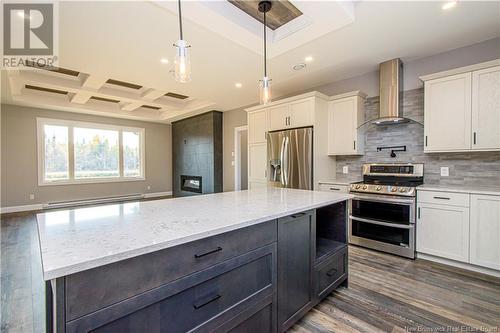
{"x": 85, "y": 202}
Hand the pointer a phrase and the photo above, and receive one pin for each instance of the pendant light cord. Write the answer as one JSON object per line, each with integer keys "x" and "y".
{"x": 265, "y": 51}
{"x": 180, "y": 18}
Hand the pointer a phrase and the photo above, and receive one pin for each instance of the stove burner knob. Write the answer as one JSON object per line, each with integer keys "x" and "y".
{"x": 365, "y": 187}
{"x": 357, "y": 187}
{"x": 394, "y": 189}
{"x": 378, "y": 188}
{"x": 402, "y": 190}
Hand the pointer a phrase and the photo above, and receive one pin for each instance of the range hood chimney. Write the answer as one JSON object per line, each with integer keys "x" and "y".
{"x": 391, "y": 93}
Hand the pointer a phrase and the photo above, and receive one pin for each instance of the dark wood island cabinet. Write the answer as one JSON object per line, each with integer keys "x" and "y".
{"x": 260, "y": 278}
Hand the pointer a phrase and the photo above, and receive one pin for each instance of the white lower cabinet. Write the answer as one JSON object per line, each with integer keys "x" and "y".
{"x": 485, "y": 231}
{"x": 326, "y": 187}
{"x": 443, "y": 231}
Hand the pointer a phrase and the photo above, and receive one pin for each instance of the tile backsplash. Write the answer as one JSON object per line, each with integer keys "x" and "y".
{"x": 478, "y": 168}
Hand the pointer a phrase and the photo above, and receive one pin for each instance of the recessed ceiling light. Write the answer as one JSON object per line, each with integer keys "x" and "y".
{"x": 309, "y": 59}
{"x": 238, "y": 85}
{"x": 298, "y": 67}
{"x": 164, "y": 60}
{"x": 449, "y": 5}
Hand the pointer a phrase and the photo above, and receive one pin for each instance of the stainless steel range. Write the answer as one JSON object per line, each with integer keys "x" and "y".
{"x": 382, "y": 212}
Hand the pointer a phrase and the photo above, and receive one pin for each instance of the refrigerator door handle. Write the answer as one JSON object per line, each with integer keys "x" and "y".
{"x": 282, "y": 157}
{"x": 285, "y": 162}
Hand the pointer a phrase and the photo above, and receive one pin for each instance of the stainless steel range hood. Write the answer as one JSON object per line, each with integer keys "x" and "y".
{"x": 391, "y": 93}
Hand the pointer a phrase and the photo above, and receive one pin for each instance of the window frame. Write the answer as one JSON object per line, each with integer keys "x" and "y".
{"x": 71, "y": 124}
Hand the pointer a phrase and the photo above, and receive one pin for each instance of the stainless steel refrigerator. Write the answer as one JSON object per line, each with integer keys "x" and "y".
{"x": 289, "y": 158}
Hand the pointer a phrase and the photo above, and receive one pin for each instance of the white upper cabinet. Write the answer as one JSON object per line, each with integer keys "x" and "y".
{"x": 462, "y": 109}
{"x": 257, "y": 126}
{"x": 485, "y": 231}
{"x": 294, "y": 114}
{"x": 279, "y": 117}
{"x": 302, "y": 113}
{"x": 486, "y": 109}
{"x": 447, "y": 120}
{"x": 345, "y": 114}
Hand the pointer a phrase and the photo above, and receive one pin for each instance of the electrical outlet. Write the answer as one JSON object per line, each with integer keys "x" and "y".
{"x": 345, "y": 169}
{"x": 232, "y": 163}
{"x": 149, "y": 187}
{"x": 32, "y": 196}
{"x": 232, "y": 153}
{"x": 445, "y": 171}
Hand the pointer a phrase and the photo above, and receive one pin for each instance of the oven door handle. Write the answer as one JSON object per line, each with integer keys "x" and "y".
{"x": 394, "y": 225}
{"x": 383, "y": 198}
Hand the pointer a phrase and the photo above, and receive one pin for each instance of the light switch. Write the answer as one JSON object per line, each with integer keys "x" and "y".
{"x": 232, "y": 153}
{"x": 445, "y": 171}
{"x": 149, "y": 187}
{"x": 345, "y": 169}
{"x": 232, "y": 163}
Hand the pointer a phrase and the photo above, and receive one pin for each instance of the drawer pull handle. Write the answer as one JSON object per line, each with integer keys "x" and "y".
{"x": 298, "y": 215}
{"x": 206, "y": 301}
{"x": 442, "y": 198}
{"x": 331, "y": 272}
{"x": 209, "y": 252}
{"x": 334, "y": 189}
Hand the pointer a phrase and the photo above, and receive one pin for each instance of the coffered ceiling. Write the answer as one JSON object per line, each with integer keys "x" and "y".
{"x": 116, "y": 57}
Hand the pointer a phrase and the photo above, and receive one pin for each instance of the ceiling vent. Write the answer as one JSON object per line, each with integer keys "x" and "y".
{"x": 54, "y": 69}
{"x": 124, "y": 84}
{"x": 174, "y": 95}
{"x": 104, "y": 99}
{"x": 54, "y": 91}
{"x": 151, "y": 107}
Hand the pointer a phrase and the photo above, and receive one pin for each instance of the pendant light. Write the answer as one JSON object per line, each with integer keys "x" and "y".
{"x": 182, "y": 60}
{"x": 265, "y": 83}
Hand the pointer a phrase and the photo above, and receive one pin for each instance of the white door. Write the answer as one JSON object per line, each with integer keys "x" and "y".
{"x": 257, "y": 126}
{"x": 485, "y": 231}
{"x": 279, "y": 117}
{"x": 342, "y": 127}
{"x": 302, "y": 113}
{"x": 447, "y": 113}
{"x": 257, "y": 156}
{"x": 443, "y": 231}
{"x": 486, "y": 108}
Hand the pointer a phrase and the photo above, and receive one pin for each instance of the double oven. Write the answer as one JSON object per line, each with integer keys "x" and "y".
{"x": 383, "y": 211}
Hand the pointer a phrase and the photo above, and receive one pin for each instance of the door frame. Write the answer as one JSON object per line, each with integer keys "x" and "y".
{"x": 237, "y": 155}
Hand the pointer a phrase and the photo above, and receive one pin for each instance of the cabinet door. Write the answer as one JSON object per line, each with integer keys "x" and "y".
{"x": 443, "y": 231}
{"x": 486, "y": 108}
{"x": 295, "y": 257}
{"x": 342, "y": 127}
{"x": 279, "y": 117}
{"x": 257, "y": 157}
{"x": 257, "y": 126}
{"x": 447, "y": 113}
{"x": 485, "y": 231}
{"x": 302, "y": 113}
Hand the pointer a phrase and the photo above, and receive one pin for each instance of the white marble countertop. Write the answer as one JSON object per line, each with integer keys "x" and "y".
{"x": 341, "y": 181}
{"x": 489, "y": 190}
{"x": 79, "y": 239}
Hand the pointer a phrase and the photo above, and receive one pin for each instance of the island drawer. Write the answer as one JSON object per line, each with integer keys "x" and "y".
{"x": 203, "y": 301}
{"x": 330, "y": 272}
{"x": 94, "y": 289}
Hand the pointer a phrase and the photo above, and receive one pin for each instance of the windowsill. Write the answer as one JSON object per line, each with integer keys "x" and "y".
{"x": 93, "y": 181}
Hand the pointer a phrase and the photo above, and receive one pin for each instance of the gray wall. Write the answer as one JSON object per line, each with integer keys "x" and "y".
{"x": 478, "y": 168}
{"x": 19, "y": 159}
{"x": 244, "y": 160}
{"x": 468, "y": 55}
{"x": 231, "y": 119}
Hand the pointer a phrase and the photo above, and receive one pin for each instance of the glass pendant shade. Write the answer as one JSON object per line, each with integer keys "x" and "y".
{"x": 182, "y": 62}
{"x": 265, "y": 90}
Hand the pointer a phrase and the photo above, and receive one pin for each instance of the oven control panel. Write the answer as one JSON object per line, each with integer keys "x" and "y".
{"x": 383, "y": 189}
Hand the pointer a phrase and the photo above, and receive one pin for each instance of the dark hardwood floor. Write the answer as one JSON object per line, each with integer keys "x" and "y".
{"x": 386, "y": 293}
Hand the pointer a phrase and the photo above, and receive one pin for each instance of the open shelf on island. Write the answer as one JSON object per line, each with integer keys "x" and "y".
{"x": 331, "y": 230}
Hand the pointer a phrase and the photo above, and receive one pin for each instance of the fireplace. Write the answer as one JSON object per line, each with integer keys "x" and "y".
{"x": 191, "y": 184}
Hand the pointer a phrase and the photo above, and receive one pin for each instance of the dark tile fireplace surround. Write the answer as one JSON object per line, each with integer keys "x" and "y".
{"x": 197, "y": 154}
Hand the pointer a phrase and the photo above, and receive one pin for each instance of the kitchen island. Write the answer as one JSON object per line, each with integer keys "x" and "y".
{"x": 253, "y": 260}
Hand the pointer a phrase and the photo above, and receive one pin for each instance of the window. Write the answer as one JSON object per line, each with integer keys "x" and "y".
{"x": 75, "y": 152}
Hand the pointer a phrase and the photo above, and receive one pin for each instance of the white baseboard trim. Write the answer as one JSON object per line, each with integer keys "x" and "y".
{"x": 463, "y": 265}
{"x": 27, "y": 208}
{"x": 157, "y": 194}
